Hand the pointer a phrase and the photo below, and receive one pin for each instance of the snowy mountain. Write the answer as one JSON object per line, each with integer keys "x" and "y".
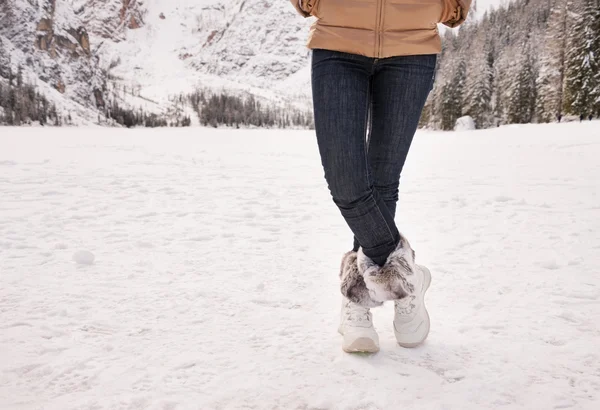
{"x": 249, "y": 44}
{"x": 84, "y": 51}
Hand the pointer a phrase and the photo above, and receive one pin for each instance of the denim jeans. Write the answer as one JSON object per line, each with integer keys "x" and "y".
{"x": 366, "y": 113}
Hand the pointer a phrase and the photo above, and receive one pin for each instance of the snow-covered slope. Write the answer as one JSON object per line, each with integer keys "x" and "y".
{"x": 236, "y": 44}
{"x": 214, "y": 284}
{"x": 89, "y": 50}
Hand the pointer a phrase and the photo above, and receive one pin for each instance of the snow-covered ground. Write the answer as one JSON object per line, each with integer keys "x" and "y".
{"x": 197, "y": 269}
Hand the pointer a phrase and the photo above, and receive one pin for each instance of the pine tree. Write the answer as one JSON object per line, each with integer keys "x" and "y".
{"x": 426, "y": 114}
{"x": 520, "y": 96}
{"x": 478, "y": 91}
{"x": 550, "y": 82}
{"x": 583, "y": 61}
{"x": 452, "y": 100}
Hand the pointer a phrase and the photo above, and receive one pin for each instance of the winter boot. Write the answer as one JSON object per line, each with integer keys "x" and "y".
{"x": 356, "y": 327}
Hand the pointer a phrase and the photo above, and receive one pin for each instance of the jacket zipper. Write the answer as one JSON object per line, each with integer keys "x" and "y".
{"x": 380, "y": 24}
{"x": 377, "y": 38}
{"x": 379, "y": 28}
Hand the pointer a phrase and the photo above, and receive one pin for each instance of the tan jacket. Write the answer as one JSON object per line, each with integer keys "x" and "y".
{"x": 381, "y": 28}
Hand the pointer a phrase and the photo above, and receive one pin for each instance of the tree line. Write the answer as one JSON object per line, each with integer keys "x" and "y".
{"x": 530, "y": 61}
{"x": 130, "y": 117}
{"x": 223, "y": 109}
{"x": 20, "y": 103}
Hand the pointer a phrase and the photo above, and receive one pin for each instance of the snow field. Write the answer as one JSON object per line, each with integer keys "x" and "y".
{"x": 215, "y": 254}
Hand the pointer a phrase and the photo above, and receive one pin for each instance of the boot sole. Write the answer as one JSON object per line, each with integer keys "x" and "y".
{"x": 411, "y": 345}
{"x": 361, "y": 345}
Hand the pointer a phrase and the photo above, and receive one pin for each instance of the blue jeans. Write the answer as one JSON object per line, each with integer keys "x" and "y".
{"x": 355, "y": 96}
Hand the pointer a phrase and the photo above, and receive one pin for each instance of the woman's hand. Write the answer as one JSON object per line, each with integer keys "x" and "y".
{"x": 304, "y": 7}
{"x": 455, "y": 12}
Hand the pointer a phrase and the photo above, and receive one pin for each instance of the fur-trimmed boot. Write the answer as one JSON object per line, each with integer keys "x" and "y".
{"x": 356, "y": 321}
{"x": 356, "y": 327}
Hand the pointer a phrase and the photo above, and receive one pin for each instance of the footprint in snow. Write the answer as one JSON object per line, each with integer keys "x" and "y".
{"x": 550, "y": 265}
{"x": 502, "y": 198}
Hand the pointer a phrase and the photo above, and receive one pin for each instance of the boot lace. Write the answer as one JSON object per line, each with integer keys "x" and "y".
{"x": 355, "y": 313}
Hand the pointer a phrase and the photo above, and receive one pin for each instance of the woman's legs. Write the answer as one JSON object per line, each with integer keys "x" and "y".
{"x": 363, "y": 177}
{"x": 341, "y": 86}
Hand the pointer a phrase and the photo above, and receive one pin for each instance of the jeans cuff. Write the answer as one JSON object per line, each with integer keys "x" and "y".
{"x": 379, "y": 254}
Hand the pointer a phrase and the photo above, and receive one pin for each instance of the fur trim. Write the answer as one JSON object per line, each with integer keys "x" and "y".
{"x": 353, "y": 285}
{"x": 395, "y": 279}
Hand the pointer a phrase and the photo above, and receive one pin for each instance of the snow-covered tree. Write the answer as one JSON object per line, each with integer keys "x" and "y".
{"x": 452, "y": 97}
{"x": 595, "y": 29}
{"x": 478, "y": 90}
{"x": 583, "y": 60}
{"x": 550, "y": 81}
{"x": 520, "y": 91}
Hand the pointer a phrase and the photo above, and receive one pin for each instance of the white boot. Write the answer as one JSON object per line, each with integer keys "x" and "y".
{"x": 411, "y": 320}
{"x": 356, "y": 326}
